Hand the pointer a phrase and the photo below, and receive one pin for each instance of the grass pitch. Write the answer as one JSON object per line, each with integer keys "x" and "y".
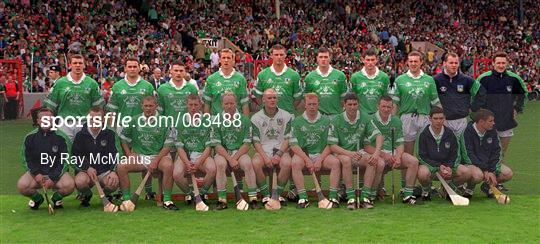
{"x": 437, "y": 221}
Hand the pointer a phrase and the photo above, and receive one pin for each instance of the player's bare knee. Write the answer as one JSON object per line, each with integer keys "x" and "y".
{"x": 24, "y": 185}
{"x": 82, "y": 181}
{"x": 297, "y": 164}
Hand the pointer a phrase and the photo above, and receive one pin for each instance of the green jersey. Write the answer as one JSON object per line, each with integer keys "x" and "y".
{"x": 286, "y": 84}
{"x": 352, "y": 135}
{"x": 126, "y": 98}
{"x": 217, "y": 84}
{"x": 369, "y": 89}
{"x": 193, "y": 138}
{"x": 330, "y": 88}
{"x": 71, "y": 98}
{"x": 385, "y": 127}
{"x": 173, "y": 99}
{"x": 415, "y": 94}
{"x": 233, "y": 137}
{"x": 311, "y": 136}
{"x": 146, "y": 136}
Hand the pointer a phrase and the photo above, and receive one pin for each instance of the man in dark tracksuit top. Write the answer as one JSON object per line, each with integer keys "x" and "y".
{"x": 42, "y": 153}
{"x": 506, "y": 94}
{"x": 459, "y": 94}
{"x": 96, "y": 150}
{"x": 484, "y": 154}
{"x": 438, "y": 148}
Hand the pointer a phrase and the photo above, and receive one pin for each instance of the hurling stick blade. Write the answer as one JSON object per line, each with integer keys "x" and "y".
{"x": 199, "y": 204}
{"x": 456, "y": 199}
{"x": 499, "y": 196}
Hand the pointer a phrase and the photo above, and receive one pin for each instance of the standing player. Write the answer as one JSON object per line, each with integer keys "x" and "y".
{"x": 74, "y": 94}
{"x": 232, "y": 140}
{"x": 370, "y": 83}
{"x": 484, "y": 154}
{"x": 309, "y": 142}
{"x": 386, "y": 122}
{"x": 459, "y": 94}
{"x": 352, "y": 129}
{"x": 284, "y": 80}
{"x": 146, "y": 143}
{"x": 52, "y": 173}
{"x": 173, "y": 94}
{"x": 271, "y": 133}
{"x": 194, "y": 149}
{"x": 97, "y": 149}
{"x": 506, "y": 94}
{"x": 226, "y": 79}
{"x": 54, "y": 74}
{"x": 438, "y": 151}
{"x": 414, "y": 93}
{"x": 328, "y": 83}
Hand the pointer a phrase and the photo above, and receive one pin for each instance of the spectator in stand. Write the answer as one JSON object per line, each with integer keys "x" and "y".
{"x": 12, "y": 98}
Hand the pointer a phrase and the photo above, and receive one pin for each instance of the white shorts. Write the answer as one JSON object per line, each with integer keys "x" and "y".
{"x": 269, "y": 150}
{"x": 145, "y": 160}
{"x": 193, "y": 156}
{"x": 413, "y": 125}
{"x": 506, "y": 133}
{"x": 458, "y": 126}
{"x": 314, "y": 157}
{"x": 102, "y": 175}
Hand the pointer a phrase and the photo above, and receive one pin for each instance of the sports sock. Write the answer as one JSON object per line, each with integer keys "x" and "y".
{"x": 264, "y": 189}
{"x": 372, "y": 194}
{"x": 126, "y": 194}
{"x": 350, "y": 193}
{"x": 240, "y": 183}
{"x": 222, "y": 194}
{"x": 333, "y": 193}
{"x": 87, "y": 193}
{"x": 302, "y": 194}
{"x": 426, "y": 188}
{"x": 292, "y": 187}
{"x": 403, "y": 183}
{"x": 361, "y": 184}
{"x": 189, "y": 192}
{"x": 167, "y": 195}
{"x": 56, "y": 196}
{"x": 252, "y": 193}
{"x": 36, "y": 197}
{"x": 204, "y": 190}
{"x": 280, "y": 189}
{"x": 366, "y": 192}
{"x": 148, "y": 187}
{"x": 407, "y": 191}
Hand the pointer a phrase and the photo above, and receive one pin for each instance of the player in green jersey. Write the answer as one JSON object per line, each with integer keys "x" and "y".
{"x": 271, "y": 132}
{"x": 397, "y": 158}
{"x": 146, "y": 143}
{"x": 414, "y": 93}
{"x": 309, "y": 142}
{"x": 284, "y": 80}
{"x": 328, "y": 83}
{"x": 193, "y": 150}
{"x": 232, "y": 140}
{"x": 74, "y": 94}
{"x": 352, "y": 129}
{"x": 226, "y": 79}
{"x": 173, "y": 94}
{"x": 370, "y": 83}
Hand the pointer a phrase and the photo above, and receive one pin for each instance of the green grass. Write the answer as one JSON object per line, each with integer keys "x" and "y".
{"x": 483, "y": 221}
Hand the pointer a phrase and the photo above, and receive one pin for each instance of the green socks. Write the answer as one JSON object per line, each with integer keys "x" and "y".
{"x": 126, "y": 194}
{"x": 36, "y": 197}
{"x": 222, "y": 194}
{"x": 366, "y": 192}
{"x": 333, "y": 193}
{"x": 407, "y": 191}
{"x": 252, "y": 194}
{"x": 302, "y": 194}
{"x": 167, "y": 195}
{"x": 264, "y": 189}
{"x": 350, "y": 193}
{"x": 56, "y": 197}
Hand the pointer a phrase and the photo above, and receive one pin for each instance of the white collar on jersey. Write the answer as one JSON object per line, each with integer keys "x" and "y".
{"x": 312, "y": 121}
{"x": 347, "y": 117}
{"x": 280, "y": 73}
{"x": 379, "y": 118}
{"x": 227, "y": 77}
{"x": 76, "y": 82}
{"x": 477, "y": 131}
{"x": 363, "y": 70}
{"x": 439, "y": 136}
{"x": 178, "y": 87}
{"x": 134, "y": 84}
{"x": 415, "y": 77}
{"x": 330, "y": 69}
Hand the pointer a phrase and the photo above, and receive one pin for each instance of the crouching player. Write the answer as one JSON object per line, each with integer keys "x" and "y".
{"x": 484, "y": 154}
{"x": 352, "y": 129}
{"x": 194, "y": 147}
{"x": 232, "y": 138}
{"x": 97, "y": 149}
{"x": 271, "y": 132}
{"x": 438, "y": 151}
{"x": 51, "y": 144}
{"x": 309, "y": 142}
{"x": 146, "y": 143}
{"x": 395, "y": 158}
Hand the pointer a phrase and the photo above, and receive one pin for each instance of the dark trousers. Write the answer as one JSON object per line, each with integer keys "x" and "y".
{"x": 11, "y": 108}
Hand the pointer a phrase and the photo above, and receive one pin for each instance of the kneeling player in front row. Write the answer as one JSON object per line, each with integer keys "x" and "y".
{"x": 351, "y": 130}
{"x": 309, "y": 142}
{"x": 96, "y": 149}
{"x": 147, "y": 142}
{"x": 52, "y": 144}
{"x": 484, "y": 154}
{"x": 438, "y": 151}
{"x": 194, "y": 148}
{"x": 393, "y": 149}
{"x": 232, "y": 138}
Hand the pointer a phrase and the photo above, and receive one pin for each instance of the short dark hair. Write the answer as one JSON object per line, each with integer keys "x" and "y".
{"x": 386, "y": 98}
{"x": 277, "y": 47}
{"x": 482, "y": 114}
{"x": 97, "y": 109}
{"x": 178, "y": 63}
{"x": 417, "y": 54}
{"x": 350, "y": 96}
{"x": 193, "y": 97}
{"x": 150, "y": 98}
{"x": 435, "y": 110}
{"x": 134, "y": 59}
{"x": 500, "y": 55}
{"x": 450, "y": 54}
{"x": 323, "y": 50}
{"x": 370, "y": 52}
{"x": 75, "y": 56}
